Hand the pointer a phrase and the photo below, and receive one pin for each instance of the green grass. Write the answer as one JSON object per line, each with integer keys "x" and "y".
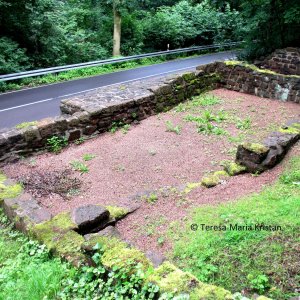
{"x": 265, "y": 262}
{"x": 27, "y": 271}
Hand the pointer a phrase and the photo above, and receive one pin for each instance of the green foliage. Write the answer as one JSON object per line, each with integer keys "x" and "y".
{"x": 243, "y": 124}
{"x": 272, "y": 24}
{"x": 27, "y": 269}
{"x": 79, "y": 141}
{"x": 12, "y": 58}
{"x": 172, "y": 128}
{"x": 87, "y": 157}
{"x": 79, "y": 166}
{"x": 98, "y": 283}
{"x": 56, "y": 143}
{"x": 248, "y": 259}
{"x": 186, "y": 24}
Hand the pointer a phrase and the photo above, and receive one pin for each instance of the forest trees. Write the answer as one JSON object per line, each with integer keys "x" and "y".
{"x": 43, "y": 33}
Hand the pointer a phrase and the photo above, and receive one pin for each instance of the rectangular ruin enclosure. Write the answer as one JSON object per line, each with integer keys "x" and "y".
{"x": 130, "y": 162}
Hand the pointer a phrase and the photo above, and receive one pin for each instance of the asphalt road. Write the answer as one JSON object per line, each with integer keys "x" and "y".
{"x": 41, "y": 102}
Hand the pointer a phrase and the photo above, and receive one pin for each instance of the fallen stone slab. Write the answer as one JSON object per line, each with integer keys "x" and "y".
{"x": 90, "y": 217}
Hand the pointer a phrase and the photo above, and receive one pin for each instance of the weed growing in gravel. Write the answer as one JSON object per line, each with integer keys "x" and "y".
{"x": 115, "y": 126}
{"x": 172, "y": 128}
{"x": 204, "y": 122}
{"x": 243, "y": 124}
{"x": 80, "y": 141}
{"x": 198, "y": 101}
{"x": 79, "y": 166}
{"x": 87, "y": 157}
{"x": 125, "y": 128}
{"x": 152, "y": 198}
{"x": 56, "y": 143}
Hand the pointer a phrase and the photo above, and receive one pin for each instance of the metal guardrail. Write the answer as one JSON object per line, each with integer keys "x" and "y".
{"x": 45, "y": 71}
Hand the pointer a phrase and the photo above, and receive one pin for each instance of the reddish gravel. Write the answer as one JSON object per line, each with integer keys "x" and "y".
{"x": 148, "y": 158}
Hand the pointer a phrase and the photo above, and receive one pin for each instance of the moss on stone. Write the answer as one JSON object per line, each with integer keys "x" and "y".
{"x": 123, "y": 257}
{"x": 233, "y": 168}
{"x": 210, "y": 292}
{"x": 290, "y": 130}
{"x": 221, "y": 174}
{"x": 50, "y": 232}
{"x": 117, "y": 212}
{"x": 190, "y": 186}
{"x": 68, "y": 243}
{"x": 8, "y": 191}
{"x": 256, "y": 148}
{"x": 105, "y": 242}
{"x": 210, "y": 180}
{"x": 170, "y": 279}
{"x": 26, "y": 124}
{"x": 59, "y": 237}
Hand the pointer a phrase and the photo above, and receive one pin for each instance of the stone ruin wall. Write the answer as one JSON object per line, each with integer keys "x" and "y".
{"x": 94, "y": 112}
{"x": 283, "y": 61}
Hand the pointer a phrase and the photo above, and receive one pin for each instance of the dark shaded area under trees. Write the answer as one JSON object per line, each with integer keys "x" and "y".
{"x": 44, "y": 33}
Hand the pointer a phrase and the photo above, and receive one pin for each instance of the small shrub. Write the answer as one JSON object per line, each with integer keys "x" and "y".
{"x": 56, "y": 143}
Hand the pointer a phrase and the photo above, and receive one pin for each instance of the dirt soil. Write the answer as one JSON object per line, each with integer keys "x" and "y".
{"x": 151, "y": 161}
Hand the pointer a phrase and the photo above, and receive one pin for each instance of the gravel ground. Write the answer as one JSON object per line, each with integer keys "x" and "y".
{"x": 148, "y": 158}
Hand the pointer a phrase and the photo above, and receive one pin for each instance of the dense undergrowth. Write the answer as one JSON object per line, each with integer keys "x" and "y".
{"x": 29, "y": 272}
{"x": 254, "y": 261}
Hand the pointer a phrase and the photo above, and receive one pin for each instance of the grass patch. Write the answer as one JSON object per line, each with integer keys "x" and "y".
{"x": 258, "y": 261}
{"x": 27, "y": 270}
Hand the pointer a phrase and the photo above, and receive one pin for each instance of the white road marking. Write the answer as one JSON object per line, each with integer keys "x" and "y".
{"x": 72, "y": 94}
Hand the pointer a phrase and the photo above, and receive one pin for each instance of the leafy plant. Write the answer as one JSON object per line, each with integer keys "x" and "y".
{"x": 56, "y": 143}
{"x": 243, "y": 124}
{"x": 79, "y": 166}
{"x": 87, "y": 157}
{"x": 152, "y": 198}
{"x": 208, "y": 128}
{"x": 258, "y": 283}
{"x": 160, "y": 240}
{"x": 172, "y": 128}
{"x": 125, "y": 128}
{"x": 80, "y": 141}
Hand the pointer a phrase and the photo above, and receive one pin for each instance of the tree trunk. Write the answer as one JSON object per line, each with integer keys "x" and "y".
{"x": 117, "y": 32}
